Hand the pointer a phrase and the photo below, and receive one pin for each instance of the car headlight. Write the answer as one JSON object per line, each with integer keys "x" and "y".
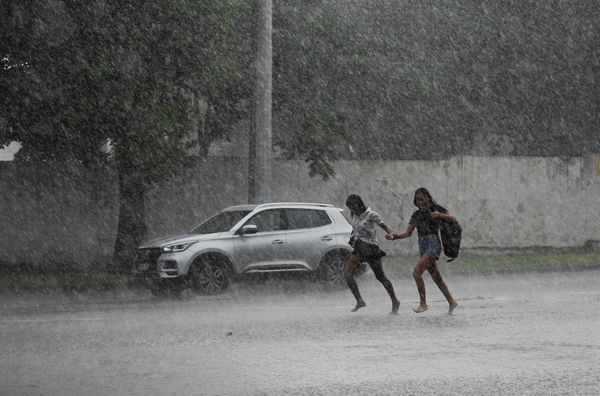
{"x": 177, "y": 247}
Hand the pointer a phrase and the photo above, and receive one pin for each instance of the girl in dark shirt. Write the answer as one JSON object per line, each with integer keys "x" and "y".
{"x": 427, "y": 222}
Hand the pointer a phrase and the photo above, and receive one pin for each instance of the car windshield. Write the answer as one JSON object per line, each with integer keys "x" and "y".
{"x": 220, "y": 222}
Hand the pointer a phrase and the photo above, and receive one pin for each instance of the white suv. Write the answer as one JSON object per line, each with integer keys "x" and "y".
{"x": 246, "y": 239}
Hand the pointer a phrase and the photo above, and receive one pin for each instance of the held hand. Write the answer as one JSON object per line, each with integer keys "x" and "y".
{"x": 391, "y": 236}
{"x": 435, "y": 215}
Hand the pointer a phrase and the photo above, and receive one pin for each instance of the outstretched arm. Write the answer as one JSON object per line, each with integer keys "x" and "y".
{"x": 405, "y": 234}
{"x": 385, "y": 228}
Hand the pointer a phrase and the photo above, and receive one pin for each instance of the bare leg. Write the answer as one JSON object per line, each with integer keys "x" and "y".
{"x": 439, "y": 281}
{"x": 377, "y": 268}
{"x": 351, "y": 267}
{"x": 423, "y": 263}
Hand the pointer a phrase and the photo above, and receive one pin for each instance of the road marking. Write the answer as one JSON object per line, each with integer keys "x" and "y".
{"x": 50, "y": 320}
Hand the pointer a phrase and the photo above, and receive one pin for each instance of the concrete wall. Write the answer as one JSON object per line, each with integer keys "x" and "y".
{"x": 501, "y": 202}
{"x": 52, "y": 216}
{"x": 65, "y": 216}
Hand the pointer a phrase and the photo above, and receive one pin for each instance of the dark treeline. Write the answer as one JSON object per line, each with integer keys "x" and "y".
{"x": 380, "y": 79}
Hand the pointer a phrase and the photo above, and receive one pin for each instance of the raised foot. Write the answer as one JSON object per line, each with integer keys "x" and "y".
{"x": 421, "y": 308}
{"x": 358, "y": 306}
{"x": 451, "y": 307}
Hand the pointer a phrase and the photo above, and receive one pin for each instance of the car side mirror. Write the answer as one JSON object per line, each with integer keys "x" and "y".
{"x": 249, "y": 229}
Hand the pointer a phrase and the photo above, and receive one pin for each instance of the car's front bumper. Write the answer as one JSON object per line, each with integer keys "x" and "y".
{"x": 151, "y": 264}
{"x": 153, "y": 275}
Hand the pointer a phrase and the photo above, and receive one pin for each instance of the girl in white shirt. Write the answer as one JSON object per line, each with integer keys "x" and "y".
{"x": 366, "y": 248}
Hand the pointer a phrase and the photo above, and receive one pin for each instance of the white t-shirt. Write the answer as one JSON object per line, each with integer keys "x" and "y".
{"x": 363, "y": 226}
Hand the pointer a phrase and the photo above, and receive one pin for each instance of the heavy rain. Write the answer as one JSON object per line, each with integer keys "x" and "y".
{"x": 176, "y": 212}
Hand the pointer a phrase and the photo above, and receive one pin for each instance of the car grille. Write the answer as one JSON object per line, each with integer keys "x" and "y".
{"x": 145, "y": 259}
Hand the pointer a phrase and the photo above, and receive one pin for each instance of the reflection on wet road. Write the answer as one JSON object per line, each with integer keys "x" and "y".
{"x": 511, "y": 334}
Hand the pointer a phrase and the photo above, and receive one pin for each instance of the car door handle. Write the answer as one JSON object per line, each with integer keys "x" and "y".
{"x": 277, "y": 242}
{"x": 327, "y": 238}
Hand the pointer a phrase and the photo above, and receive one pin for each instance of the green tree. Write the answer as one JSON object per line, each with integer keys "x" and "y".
{"x": 135, "y": 75}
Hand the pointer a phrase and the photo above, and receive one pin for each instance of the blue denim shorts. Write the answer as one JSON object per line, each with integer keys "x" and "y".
{"x": 431, "y": 245}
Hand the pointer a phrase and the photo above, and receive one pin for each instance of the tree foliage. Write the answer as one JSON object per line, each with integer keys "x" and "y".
{"x": 138, "y": 74}
{"x": 413, "y": 80}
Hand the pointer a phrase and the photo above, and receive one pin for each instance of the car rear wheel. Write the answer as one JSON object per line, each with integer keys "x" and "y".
{"x": 332, "y": 267}
{"x": 208, "y": 276}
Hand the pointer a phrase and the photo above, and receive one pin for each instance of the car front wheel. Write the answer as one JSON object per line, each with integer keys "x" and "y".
{"x": 208, "y": 276}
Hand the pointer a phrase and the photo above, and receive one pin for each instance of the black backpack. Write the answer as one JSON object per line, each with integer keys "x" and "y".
{"x": 450, "y": 232}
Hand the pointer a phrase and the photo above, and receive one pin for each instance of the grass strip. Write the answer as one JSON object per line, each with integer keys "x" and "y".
{"x": 69, "y": 280}
{"x": 504, "y": 263}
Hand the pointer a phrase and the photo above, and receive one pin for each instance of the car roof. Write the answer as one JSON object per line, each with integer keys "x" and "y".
{"x": 278, "y": 205}
{"x": 240, "y": 207}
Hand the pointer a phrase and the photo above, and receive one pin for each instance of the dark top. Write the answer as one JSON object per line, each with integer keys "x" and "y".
{"x": 425, "y": 224}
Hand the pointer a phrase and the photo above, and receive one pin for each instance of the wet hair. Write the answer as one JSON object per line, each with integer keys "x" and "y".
{"x": 357, "y": 202}
{"x": 425, "y": 192}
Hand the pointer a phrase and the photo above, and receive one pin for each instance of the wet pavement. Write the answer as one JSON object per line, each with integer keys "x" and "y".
{"x": 528, "y": 333}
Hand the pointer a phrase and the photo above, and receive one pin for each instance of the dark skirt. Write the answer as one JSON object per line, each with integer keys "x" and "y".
{"x": 367, "y": 251}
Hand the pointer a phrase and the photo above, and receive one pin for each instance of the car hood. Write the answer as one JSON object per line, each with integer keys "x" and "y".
{"x": 183, "y": 238}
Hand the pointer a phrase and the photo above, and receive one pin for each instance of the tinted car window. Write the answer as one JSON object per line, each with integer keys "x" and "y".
{"x": 221, "y": 222}
{"x": 306, "y": 218}
{"x": 268, "y": 220}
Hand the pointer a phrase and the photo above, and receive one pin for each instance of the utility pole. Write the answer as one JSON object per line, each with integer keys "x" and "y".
{"x": 261, "y": 156}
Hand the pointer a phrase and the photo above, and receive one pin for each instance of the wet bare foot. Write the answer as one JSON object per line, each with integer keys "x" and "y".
{"x": 359, "y": 305}
{"x": 453, "y": 305}
{"x": 421, "y": 308}
{"x": 395, "y": 308}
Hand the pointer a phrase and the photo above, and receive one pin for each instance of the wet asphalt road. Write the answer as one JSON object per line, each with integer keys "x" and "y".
{"x": 511, "y": 334}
